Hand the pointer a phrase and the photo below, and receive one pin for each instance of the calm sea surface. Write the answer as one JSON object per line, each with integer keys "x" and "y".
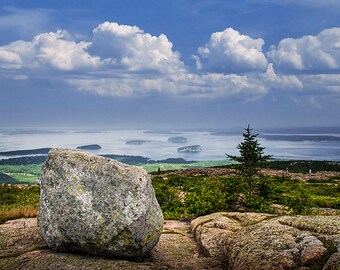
{"x": 214, "y": 147}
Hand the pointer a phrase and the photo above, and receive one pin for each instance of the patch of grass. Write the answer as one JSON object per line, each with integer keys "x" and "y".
{"x": 21, "y": 173}
{"x": 28, "y": 174}
{"x": 178, "y": 166}
{"x": 24, "y": 178}
{"x": 7, "y": 179}
{"x": 18, "y": 212}
{"x": 323, "y": 189}
{"x": 330, "y": 180}
{"x": 18, "y": 202}
{"x": 162, "y": 167}
{"x": 325, "y": 201}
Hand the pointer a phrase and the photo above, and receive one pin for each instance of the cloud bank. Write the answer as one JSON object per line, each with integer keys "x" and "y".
{"x": 319, "y": 53}
{"x": 124, "y": 61}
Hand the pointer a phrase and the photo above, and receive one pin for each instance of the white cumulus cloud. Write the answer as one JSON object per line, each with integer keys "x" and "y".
{"x": 128, "y": 47}
{"x": 318, "y": 53}
{"x": 124, "y": 61}
{"x": 230, "y": 51}
{"x": 48, "y": 50}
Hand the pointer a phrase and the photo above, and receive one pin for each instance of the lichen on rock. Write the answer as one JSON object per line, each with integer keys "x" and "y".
{"x": 22, "y": 248}
{"x": 97, "y": 205}
{"x": 262, "y": 241}
{"x": 213, "y": 231}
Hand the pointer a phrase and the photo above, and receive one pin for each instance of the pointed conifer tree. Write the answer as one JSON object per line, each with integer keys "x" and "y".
{"x": 252, "y": 158}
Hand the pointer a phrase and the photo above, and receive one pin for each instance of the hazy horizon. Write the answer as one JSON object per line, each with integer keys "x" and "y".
{"x": 158, "y": 147}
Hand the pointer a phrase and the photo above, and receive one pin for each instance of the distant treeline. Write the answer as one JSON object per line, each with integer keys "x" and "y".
{"x": 6, "y": 179}
{"x": 290, "y": 165}
{"x": 301, "y": 166}
{"x": 304, "y": 165}
{"x": 137, "y": 160}
{"x": 24, "y": 160}
{"x": 39, "y": 151}
{"x": 131, "y": 160}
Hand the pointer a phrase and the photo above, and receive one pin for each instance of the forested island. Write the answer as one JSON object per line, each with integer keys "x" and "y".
{"x": 137, "y": 142}
{"x": 89, "y": 147}
{"x": 178, "y": 139}
{"x": 190, "y": 149}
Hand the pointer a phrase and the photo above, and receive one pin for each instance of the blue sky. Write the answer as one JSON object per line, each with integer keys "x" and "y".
{"x": 169, "y": 64}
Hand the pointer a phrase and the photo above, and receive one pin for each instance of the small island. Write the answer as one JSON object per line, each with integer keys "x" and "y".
{"x": 89, "y": 147}
{"x": 178, "y": 139}
{"x": 163, "y": 132}
{"x": 137, "y": 142}
{"x": 190, "y": 149}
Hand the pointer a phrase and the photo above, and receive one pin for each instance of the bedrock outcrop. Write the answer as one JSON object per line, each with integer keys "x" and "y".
{"x": 243, "y": 240}
{"x": 262, "y": 241}
{"x": 21, "y": 247}
{"x": 97, "y": 205}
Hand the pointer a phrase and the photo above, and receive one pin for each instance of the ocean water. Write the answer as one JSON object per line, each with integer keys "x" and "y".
{"x": 214, "y": 147}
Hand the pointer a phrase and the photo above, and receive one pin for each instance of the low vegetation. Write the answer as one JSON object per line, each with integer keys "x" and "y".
{"x": 22, "y": 171}
{"x": 303, "y": 166}
{"x": 17, "y": 202}
{"x": 190, "y": 196}
{"x": 19, "y": 174}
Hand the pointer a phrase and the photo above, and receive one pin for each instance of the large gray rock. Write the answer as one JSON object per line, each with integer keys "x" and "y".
{"x": 98, "y": 206}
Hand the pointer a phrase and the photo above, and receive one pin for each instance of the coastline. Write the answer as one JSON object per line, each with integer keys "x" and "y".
{"x": 27, "y": 169}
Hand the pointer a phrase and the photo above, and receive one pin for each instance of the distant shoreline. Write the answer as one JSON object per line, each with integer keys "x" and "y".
{"x": 287, "y": 144}
{"x": 29, "y": 152}
{"x": 40, "y": 155}
{"x": 27, "y": 169}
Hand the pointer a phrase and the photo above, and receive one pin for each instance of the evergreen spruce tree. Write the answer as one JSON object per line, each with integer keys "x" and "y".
{"x": 252, "y": 158}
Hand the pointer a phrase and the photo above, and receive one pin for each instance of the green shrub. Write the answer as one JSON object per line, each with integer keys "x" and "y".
{"x": 298, "y": 199}
{"x": 169, "y": 199}
{"x": 325, "y": 201}
{"x": 208, "y": 196}
{"x": 13, "y": 195}
{"x": 18, "y": 202}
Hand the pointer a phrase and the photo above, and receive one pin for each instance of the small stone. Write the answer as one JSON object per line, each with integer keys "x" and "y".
{"x": 311, "y": 249}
